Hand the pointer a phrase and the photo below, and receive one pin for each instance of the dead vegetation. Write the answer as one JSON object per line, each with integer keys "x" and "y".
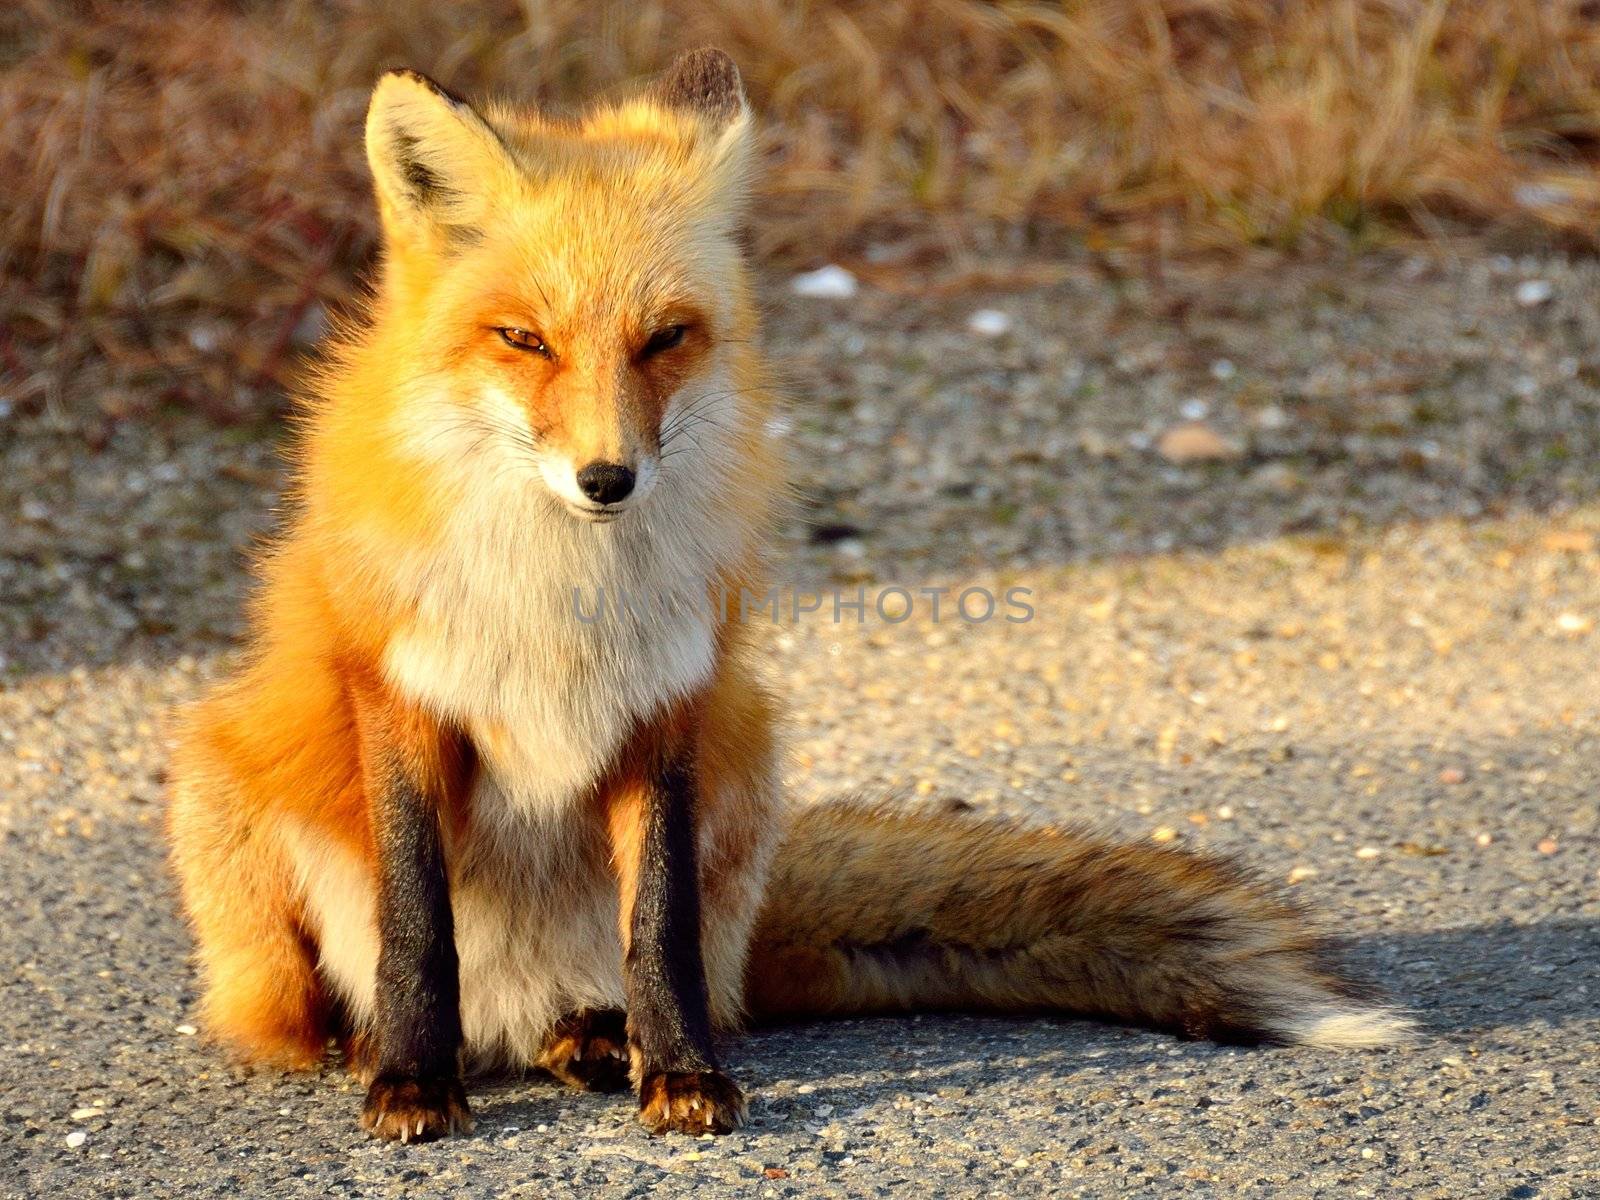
{"x": 184, "y": 188}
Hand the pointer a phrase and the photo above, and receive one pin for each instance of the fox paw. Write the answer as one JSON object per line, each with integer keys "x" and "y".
{"x": 588, "y": 1050}
{"x": 415, "y": 1110}
{"x": 692, "y": 1102}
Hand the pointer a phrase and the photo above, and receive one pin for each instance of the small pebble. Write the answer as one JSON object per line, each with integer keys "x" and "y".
{"x": 186, "y": 1030}
{"x": 1272, "y": 419}
{"x": 1368, "y": 852}
{"x": 1533, "y": 292}
{"x": 989, "y": 322}
{"x": 76, "y": 1138}
{"x": 825, "y": 283}
{"x": 1548, "y": 846}
{"x": 1194, "y": 442}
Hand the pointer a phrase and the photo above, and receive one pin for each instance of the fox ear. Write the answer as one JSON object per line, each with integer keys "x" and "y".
{"x": 705, "y": 82}
{"x": 432, "y": 158}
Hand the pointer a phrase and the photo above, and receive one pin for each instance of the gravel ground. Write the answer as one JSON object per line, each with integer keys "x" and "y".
{"x": 1314, "y": 555}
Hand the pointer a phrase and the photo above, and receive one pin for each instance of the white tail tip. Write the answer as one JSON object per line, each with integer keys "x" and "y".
{"x": 1346, "y": 1028}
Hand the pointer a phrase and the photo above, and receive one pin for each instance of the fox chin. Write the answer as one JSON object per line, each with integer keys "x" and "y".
{"x": 435, "y": 817}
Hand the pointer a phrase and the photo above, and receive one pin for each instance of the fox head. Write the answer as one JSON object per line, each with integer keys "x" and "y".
{"x": 568, "y": 292}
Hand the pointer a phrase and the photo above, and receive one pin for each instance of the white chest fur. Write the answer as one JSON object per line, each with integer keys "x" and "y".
{"x": 519, "y": 631}
{"x": 519, "y": 637}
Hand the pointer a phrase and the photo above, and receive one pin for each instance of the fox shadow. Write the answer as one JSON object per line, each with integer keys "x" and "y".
{"x": 1461, "y": 985}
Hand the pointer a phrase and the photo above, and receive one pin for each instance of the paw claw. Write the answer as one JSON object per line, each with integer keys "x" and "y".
{"x": 692, "y": 1102}
{"x": 415, "y": 1110}
{"x": 586, "y": 1050}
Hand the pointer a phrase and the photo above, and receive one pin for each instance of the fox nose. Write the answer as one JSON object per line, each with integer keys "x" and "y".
{"x": 606, "y": 483}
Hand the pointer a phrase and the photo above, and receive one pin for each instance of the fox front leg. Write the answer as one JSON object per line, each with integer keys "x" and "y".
{"x": 414, "y": 1043}
{"x": 674, "y": 1065}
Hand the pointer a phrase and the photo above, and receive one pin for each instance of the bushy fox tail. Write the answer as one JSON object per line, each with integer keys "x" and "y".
{"x": 874, "y": 910}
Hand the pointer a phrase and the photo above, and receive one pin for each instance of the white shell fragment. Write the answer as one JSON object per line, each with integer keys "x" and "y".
{"x": 989, "y": 322}
{"x": 825, "y": 283}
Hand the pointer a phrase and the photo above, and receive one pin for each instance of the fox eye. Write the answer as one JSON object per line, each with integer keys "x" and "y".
{"x": 663, "y": 339}
{"x": 524, "y": 339}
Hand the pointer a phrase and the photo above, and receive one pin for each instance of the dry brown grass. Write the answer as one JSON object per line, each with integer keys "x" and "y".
{"x": 184, "y": 182}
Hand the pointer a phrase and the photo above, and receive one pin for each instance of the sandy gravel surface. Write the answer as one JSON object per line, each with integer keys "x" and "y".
{"x": 1341, "y": 622}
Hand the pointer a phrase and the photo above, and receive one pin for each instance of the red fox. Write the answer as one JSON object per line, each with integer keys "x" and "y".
{"x": 437, "y": 817}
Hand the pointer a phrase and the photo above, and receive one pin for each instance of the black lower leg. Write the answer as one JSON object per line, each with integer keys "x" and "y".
{"x": 416, "y": 1091}
{"x": 669, "y": 1020}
